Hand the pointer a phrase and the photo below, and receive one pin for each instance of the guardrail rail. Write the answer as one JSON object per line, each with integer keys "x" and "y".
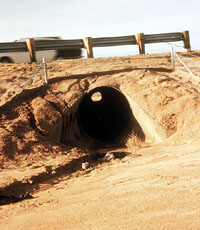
{"x": 88, "y": 43}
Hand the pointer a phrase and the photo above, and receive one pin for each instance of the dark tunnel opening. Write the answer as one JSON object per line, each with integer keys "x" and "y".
{"x": 104, "y": 114}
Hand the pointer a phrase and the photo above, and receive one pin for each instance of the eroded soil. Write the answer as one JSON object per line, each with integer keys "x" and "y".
{"x": 142, "y": 185}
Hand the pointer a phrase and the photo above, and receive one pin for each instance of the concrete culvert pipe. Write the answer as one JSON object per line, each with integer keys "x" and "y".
{"x": 102, "y": 115}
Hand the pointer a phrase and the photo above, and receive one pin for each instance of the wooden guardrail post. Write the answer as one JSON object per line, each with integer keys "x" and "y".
{"x": 186, "y": 40}
{"x": 141, "y": 42}
{"x": 88, "y": 46}
{"x": 31, "y": 48}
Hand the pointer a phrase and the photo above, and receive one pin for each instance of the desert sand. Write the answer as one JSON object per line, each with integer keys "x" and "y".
{"x": 145, "y": 184}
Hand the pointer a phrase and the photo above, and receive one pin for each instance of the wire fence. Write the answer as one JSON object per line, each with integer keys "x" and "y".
{"x": 174, "y": 55}
{"x": 178, "y": 57}
{"x": 43, "y": 64}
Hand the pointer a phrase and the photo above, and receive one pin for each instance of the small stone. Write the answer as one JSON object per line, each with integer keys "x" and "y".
{"x": 108, "y": 157}
{"x": 30, "y": 181}
{"x": 86, "y": 175}
{"x": 85, "y": 165}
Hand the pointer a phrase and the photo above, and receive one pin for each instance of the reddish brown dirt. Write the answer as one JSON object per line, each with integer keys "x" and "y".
{"x": 146, "y": 186}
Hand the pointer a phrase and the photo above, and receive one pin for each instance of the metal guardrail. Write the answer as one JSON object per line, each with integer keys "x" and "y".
{"x": 13, "y": 47}
{"x": 67, "y": 44}
{"x": 114, "y": 41}
{"x": 59, "y": 44}
{"x": 157, "y": 38}
{"x": 41, "y": 45}
{"x": 88, "y": 43}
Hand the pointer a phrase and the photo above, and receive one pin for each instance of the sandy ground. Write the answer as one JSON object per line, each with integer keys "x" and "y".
{"x": 144, "y": 186}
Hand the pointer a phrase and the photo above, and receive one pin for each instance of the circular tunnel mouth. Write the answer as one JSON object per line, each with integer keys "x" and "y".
{"x": 104, "y": 114}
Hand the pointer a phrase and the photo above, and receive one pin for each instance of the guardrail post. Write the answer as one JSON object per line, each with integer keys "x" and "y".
{"x": 141, "y": 42}
{"x": 186, "y": 40}
{"x": 88, "y": 46}
{"x": 31, "y": 48}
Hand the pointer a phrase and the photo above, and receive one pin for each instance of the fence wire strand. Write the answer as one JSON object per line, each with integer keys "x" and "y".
{"x": 174, "y": 54}
{"x": 33, "y": 75}
{"x": 172, "y": 44}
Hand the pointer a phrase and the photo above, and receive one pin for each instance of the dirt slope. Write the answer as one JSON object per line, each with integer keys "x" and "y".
{"x": 144, "y": 186}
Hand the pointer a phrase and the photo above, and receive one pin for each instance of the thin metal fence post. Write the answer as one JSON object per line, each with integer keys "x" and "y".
{"x": 45, "y": 71}
{"x": 172, "y": 58}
